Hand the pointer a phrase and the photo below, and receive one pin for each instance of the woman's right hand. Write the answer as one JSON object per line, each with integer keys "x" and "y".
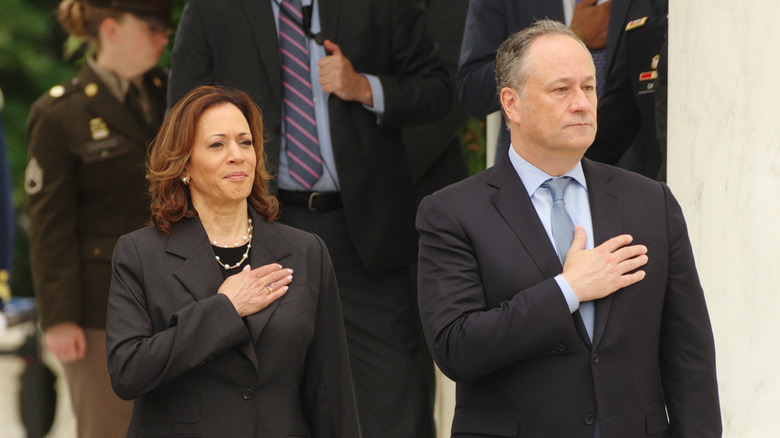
{"x": 66, "y": 341}
{"x": 252, "y": 290}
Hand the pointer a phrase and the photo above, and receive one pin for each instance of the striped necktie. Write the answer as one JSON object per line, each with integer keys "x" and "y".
{"x": 303, "y": 147}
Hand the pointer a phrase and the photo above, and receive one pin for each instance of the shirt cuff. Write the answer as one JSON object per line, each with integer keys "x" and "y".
{"x": 377, "y": 94}
{"x": 568, "y": 293}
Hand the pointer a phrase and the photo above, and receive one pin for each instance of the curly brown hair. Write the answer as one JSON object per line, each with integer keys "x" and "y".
{"x": 171, "y": 151}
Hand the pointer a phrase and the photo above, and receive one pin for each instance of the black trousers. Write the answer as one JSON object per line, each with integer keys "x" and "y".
{"x": 392, "y": 370}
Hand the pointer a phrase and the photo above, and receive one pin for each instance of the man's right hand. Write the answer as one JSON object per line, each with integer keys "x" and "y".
{"x": 590, "y": 22}
{"x": 66, "y": 341}
{"x": 598, "y": 272}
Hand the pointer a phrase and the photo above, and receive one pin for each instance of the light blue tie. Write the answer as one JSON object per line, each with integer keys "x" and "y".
{"x": 563, "y": 234}
{"x": 562, "y": 225}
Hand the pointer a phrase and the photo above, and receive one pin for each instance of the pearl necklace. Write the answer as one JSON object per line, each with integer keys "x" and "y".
{"x": 248, "y": 235}
{"x": 246, "y": 253}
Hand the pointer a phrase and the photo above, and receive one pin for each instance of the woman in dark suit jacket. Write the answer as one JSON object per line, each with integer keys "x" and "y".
{"x": 206, "y": 330}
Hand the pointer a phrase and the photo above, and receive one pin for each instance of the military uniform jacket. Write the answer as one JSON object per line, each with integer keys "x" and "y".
{"x": 626, "y": 114}
{"x": 86, "y": 187}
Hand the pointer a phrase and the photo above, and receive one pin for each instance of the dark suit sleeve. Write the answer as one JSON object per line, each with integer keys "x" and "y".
{"x": 418, "y": 89}
{"x": 140, "y": 359}
{"x": 328, "y": 398}
{"x": 467, "y": 337}
{"x": 687, "y": 348}
{"x": 485, "y": 30}
{"x": 191, "y": 59}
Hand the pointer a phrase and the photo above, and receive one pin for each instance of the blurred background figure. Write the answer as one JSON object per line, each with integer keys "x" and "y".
{"x": 626, "y": 134}
{"x": 85, "y": 183}
{"x": 434, "y": 150}
{"x": 489, "y": 22}
{"x": 6, "y": 216}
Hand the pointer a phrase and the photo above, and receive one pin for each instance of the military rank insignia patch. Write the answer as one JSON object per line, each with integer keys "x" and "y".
{"x": 98, "y": 128}
{"x": 33, "y": 177}
{"x": 633, "y": 24}
{"x": 654, "y": 62}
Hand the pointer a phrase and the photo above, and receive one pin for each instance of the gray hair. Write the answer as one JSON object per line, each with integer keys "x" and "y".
{"x": 512, "y": 67}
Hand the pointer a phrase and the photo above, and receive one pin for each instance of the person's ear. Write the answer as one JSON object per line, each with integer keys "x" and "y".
{"x": 510, "y": 102}
{"x": 109, "y": 28}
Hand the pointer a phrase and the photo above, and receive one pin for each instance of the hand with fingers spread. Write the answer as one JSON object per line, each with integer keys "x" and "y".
{"x": 338, "y": 76}
{"x": 66, "y": 341}
{"x": 598, "y": 272}
{"x": 590, "y": 22}
{"x": 252, "y": 290}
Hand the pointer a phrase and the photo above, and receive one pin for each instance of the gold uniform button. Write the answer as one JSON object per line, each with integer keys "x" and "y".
{"x": 57, "y": 91}
{"x": 96, "y": 251}
{"x": 91, "y": 89}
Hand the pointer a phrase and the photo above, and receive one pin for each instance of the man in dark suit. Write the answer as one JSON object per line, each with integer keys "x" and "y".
{"x": 372, "y": 71}
{"x": 489, "y": 22}
{"x": 551, "y": 330}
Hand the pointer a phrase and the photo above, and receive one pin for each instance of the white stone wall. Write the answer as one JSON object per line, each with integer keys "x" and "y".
{"x": 724, "y": 168}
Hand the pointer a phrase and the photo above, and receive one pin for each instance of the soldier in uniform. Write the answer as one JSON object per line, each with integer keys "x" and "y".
{"x": 626, "y": 114}
{"x": 85, "y": 183}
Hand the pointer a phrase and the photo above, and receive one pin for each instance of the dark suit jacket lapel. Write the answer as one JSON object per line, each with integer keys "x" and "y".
{"x": 330, "y": 12}
{"x": 266, "y": 248}
{"x": 512, "y": 202}
{"x": 120, "y": 119}
{"x": 515, "y": 206}
{"x": 261, "y": 19}
{"x": 607, "y": 216}
{"x": 199, "y": 273}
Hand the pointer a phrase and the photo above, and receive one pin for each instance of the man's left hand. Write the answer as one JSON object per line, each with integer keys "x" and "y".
{"x": 337, "y": 76}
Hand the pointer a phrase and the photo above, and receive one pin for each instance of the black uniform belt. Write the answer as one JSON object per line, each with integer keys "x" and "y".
{"x": 314, "y": 201}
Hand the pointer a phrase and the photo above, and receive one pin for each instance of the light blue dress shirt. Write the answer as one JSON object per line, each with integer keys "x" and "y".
{"x": 578, "y": 206}
{"x": 329, "y": 181}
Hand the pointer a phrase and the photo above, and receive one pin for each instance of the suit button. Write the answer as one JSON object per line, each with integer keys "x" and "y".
{"x": 594, "y": 358}
{"x": 247, "y": 394}
{"x": 589, "y": 419}
{"x": 562, "y": 348}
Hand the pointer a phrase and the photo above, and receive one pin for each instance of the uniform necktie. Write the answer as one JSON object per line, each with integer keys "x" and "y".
{"x": 303, "y": 147}
{"x": 563, "y": 234}
{"x": 133, "y": 102}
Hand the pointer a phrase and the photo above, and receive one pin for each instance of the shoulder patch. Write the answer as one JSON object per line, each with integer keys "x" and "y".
{"x": 633, "y": 24}
{"x": 33, "y": 177}
{"x": 57, "y": 91}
